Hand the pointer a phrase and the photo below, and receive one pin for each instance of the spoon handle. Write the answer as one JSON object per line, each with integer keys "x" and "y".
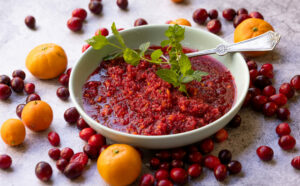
{"x": 263, "y": 42}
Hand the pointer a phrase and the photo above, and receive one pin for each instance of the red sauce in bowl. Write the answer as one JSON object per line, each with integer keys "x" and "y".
{"x": 136, "y": 101}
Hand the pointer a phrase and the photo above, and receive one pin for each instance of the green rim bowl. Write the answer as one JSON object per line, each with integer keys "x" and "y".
{"x": 195, "y": 39}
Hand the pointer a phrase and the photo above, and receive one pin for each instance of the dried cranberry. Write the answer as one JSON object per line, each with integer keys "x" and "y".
{"x": 225, "y": 156}
{"x": 229, "y": 14}
{"x": 66, "y": 153}
{"x": 234, "y": 167}
{"x": 213, "y": 14}
{"x": 5, "y": 161}
{"x": 30, "y": 22}
{"x": 81, "y": 124}
{"x": 265, "y": 153}
{"x": 61, "y": 164}
{"x": 95, "y": 7}
{"x": 200, "y": 15}
{"x": 283, "y": 114}
{"x": 17, "y": 84}
{"x": 214, "y": 26}
{"x": 4, "y": 79}
{"x": 54, "y": 153}
{"x": 220, "y": 172}
{"x": 211, "y": 162}
{"x": 295, "y": 82}
{"x": 239, "y": 19}
{"x": 287, "y": 90}
{"x": 122, "y": 4}
{"x": 91, "y": 151}
{"x": 80, "y": 13}
{"x": 269, "y": 109}
{"x": 278, "y": 99}
{"x": 74, "y": 24}
{"x": 206, "y": 146}
{"x": 147, "y": 180}
{"x": 5, "y": 92}
{"x": 178, "y": 175}
{"x": 161, "y": 174}
{"x": 283, "y": 129}
{"x": 19, "y": 110}
{"x": 296, "y": 162}
{"x": 287, "y": 142}
{"x": 81, "y": 158}
{"x": 140, "y": 22}
{"x": 43, "y": 171}
{"x": 71, "y": 115}
{"x": 256, "y": 15}
{"x": 73, "y": 170}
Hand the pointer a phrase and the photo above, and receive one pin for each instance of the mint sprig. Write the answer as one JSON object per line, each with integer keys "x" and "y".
{"x": 180, "y": 71}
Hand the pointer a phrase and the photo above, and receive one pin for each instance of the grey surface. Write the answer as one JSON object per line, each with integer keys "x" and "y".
{"x": 16, "y": 41}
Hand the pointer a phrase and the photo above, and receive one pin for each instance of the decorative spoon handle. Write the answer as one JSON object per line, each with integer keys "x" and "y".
{"x": 263, "y": 42}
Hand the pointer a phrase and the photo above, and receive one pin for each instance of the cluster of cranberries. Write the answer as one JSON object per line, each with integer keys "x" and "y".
{"x": 75, "y": 22}
{"x": 63, "y": 91}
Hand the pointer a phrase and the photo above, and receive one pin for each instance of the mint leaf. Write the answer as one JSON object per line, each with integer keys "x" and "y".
{"x": 184, "y": 64}
{"x": 179, "y": 33}
{"x": 117, "y": 35}
{"x": 143, "y": 48}
{"x": 113, "y": 56}
{"x": 131, "y": 56}
{"x": 187, "y": 79}
{"x": 197, "y": 75}
{"x": 165, "y": 43}
{"x": 98, "y": 42}
{"x": 182, "y": 88}
{"x": 156, "y": 55}
{"x": 168, "y": 76}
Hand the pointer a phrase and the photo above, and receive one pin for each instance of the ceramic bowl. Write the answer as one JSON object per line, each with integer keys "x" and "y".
{"x": 195, "y": 39}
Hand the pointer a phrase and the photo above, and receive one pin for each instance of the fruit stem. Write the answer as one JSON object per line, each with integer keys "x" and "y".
{"x": 116, "y": 151}
{"x": 255, "y": 29}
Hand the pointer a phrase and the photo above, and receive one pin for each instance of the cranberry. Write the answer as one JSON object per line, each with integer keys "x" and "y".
{"x": 287, "y": 142}
{"x": 163, "y": 155}
{"x": 102, "y": 31}
{"x": 97, "y": 140}
{"x": 147, "y": 180}
{"x": 194, "y": 170}
{"x": 95, "y": 7}
{"x": 236, "y": 121}
{"x": 32, "y": 97}
{"x": 5, "y": 92}
{"x": 195, "y": 157}
{"x": 220, "y": 172}
{"x": 206, "y": 146}
{"x": 296, "y": 162}
{"x": 213, "y": 14}
{"x": 64, "y": 80}
{"x": 229, "y": 14}
{"x": 61, "y": 164}
{"x": 73, "y": 170}
{"x": 17, "y": 84}
{"x": 267, "y": 66}
{"x": 221, "y": 135}
{"x": 154, "y": 163}
{"x": 240, "y": 18}
{"x": 81, "y": 158}
{"x": 69, "y": 72}
{"x": 122, "y": 4}
{"x": 178, "y": 154}
{"x": 85, "y": 47}
{"x": 225, "y": 156}
{"x": 248, "y": 98}
{"x": 192, "y": 148}
{"x": 255, "y": 91}
{"x": 62, "y": 93}
{"x": 80, "y": 13}
{"x": 54, "y": 153}
{"x": 251, "y": 65}
{"x": 120, "y": 29}
{"x": 5, "y": 161}
{"x": 86, "y": 133}
{"x": 43, "y": 171}
{"x": 278, "y": 99}
{"x": 283, "y": 129}
{"x": 177, "y": 163}
{"x": 103, "y": 148}
{"x": 287, "y": 90}
{"x": 256, "y": 15}
{"x": 200, "y": 15}
{"x": 265, "y": 153}
{"x": 253, "y": 74}
{"x": 242, "y": 11}
{"x": 29, "y": 88}
{"x": 19, "y": 73}
{"x": 53, "y": 138}
{"x": 19, "y": 110}
{"x": 91, "y": 151}
{"x": 262, "y": 81}
{"x": 234, "y": 167}
{"x": 178, "y": 175}
{"x": 295, "y": 82}
{"x": 30, "y": 22}
{"x": 283, "y": 113}
{"x": 164, "y": 183}
{"x": 266, "y": 73}
{"x": 211, "y": 162}
{"x": 269, "y": 109}
{"x": 161, "y": 174}
{"x": 269, "y": 91}
{"x": 258, "y": 102}
{"x": 81, "y": 124}
{"x": 74, "y": 24}
{"x": 4, "y": 79}
{"x": 214, "y": 26}
{"x": 71, "y": 115}
{"x": 66, "y": 153}
{"x": 140, "y": 22}
{"x": 164, "y": 165}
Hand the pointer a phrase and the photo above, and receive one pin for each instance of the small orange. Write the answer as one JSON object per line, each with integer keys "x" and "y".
{"x": 181, "y": 21}
{"x": 37, "y": 115}
{"x": 13, "y": 132}
{"x": 177, "y": 1}
{"x": 251, "y": 28}
{"x": 119, "y": 164}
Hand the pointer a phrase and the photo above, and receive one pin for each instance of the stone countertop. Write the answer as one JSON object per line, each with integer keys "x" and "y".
{"x": 16, "y": 40}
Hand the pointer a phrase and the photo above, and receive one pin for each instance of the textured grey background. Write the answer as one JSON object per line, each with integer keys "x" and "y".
{"x": 16, "y": 41}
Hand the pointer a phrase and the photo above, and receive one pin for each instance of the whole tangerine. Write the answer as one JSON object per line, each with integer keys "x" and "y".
{"x": 13, "y": 132}
{"x": 181, "y": 21}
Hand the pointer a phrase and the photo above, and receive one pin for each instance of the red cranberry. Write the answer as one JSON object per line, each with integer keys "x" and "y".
{"x": 73, "y": 170}
{"x": 103, "y": 148}
{"x": 154, "y": 163}
{"x": 283, "y": 114}
{"x": 29, "y": 88}
{"x": 269, "y": 91}
{"x": 287, "y": 90}
{"x": 220, "y": 172}
{"x": 120, "y": 29}
{"x": 61, "y": 164}
{"x": 17, "y": 84}
{"x": 229, "y": 14}
{"x": 236, "y": 121}
{"x": 91, "y": 151}
{"x": 19, "y": 110}
{"x": 195, "y": 157}
{"x": 81, "y": 158}
{"x": 253, "y": 74}
{"x": 80, "y": 13}
{"x": 53, "y": 138}
{"x": 262, "y": 81}
{"x": 258, "y": 102}
{"x": 5, "y": 92}
{"x": 161, "y": 174}
{"x": 140, "y": 22}
{"x": 62, "y": 93}
{"x": 164, "y": 165}
{"x": 177, "y": 163}
{"x": 97, "y": 140}
{"x": 64, "y": 80}
{"x": 265, "y": 153}
{"x": 242, "y": 11}
{"x": 43, "y": 171}
{"x": 248, "y": 98}
{"x": 4, "y": 79}
{"x": 296, "y": 162}
{"x": 178, "y": 175}
{"x": 122, "y": 4}
{"x": 240, "y": 18}
{"x": 164, "y": 183}
{"x": 295, "y": 82}
{"x": 225, "y": 156}
{"x": 254, "y": 91}
{"x": 74, "y": 24}
{"x": 256, "y": 15}
{"x": 54, "y": 153}
{"x": 283, "y": 129}
{"x": 211, "y": 162}
{"x": 200, "y": 15}
{"x": 102, "y": 31}
{"x": 214, "y": 26}
{"x": 251, "y": 65}
{"x": 278, "y": 99}
{"x": 266, "y": 72}
{"x": 206, "y": 146}
{"x": 267, "y": 66}
{"x": 234, "y": 167}
{"x": 30, "y": 22}
{"x": 66, "y": 153}
{"x": 32, "y": 97}
{"x": 95, "y": 7}
{"x": 194, "y": 170}
{"x": 71, "y": 115}
{"x": 178, "y": 154}
{"x": 192, "y": 148}
{"x": 69, "y": 72}
{"x": 85, "y": 47}
{"x": 287, "y": 142}
{"x": 5, "y": 161}
{"x": 147, "y": 180}
{"x": 269, "y": 109}
{"x": 81, "y": 124}
{"x": 86, "y": 133}
{"x": 221, "y": 135}
{"x": 213, "y": 14}
{"x": 163, "y": 155}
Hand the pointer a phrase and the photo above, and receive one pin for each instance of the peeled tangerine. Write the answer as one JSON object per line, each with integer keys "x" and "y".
{"x": 47, "y": 61}
{"x": 13, "y": 132}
